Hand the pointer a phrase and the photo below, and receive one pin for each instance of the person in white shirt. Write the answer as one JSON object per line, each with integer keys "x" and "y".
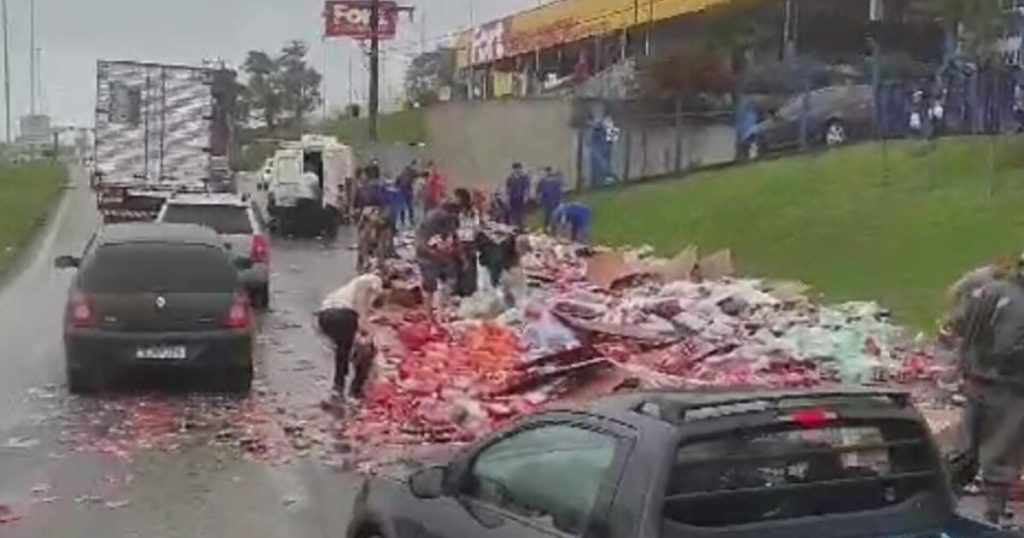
{"x": 339, "y": 317}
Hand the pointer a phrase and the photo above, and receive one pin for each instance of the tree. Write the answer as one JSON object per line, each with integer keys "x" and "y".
{"x": 691, "y": 76}
{"x": 975, "y": 25}
{"x": 283, "y": 88}
{"x": 300, "y": 83}
{"x": 737, "y": 34}
{"x": 263, "y": 94}
{"x": 427, "y": 74}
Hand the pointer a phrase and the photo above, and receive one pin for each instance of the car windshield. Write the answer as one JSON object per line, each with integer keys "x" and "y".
{"x": 224, "y": 219}
{"x": 793, "y": 107}
{"x": 157, "y": 267}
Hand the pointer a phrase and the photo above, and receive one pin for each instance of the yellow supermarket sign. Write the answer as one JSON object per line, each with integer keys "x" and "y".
{"x": 565, "y": 21}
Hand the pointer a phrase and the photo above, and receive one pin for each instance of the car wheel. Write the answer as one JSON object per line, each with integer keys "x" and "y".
{"x": 835, "y": 133}
{"x": 260, "y": 297}
{"x": 83, "y": 381}
{"x": 753, "y": 150}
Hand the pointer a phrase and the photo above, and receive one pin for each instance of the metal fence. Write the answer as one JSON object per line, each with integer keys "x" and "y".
{"x": 618, "y": 141}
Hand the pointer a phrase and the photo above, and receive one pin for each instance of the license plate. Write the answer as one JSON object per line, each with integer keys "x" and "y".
{"x": 162, "y": 353}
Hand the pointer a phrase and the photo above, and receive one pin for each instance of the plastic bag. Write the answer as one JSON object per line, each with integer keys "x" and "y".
{"x": 514, "y": 287}
{"x": 545, "y": 334}
{"x": 482, "y": 304}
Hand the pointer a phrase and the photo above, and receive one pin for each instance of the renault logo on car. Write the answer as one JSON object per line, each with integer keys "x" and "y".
{"x": 161, "y": 303}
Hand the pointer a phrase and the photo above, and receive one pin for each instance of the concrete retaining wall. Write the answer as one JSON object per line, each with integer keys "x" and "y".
{"x": 475, "y": 143}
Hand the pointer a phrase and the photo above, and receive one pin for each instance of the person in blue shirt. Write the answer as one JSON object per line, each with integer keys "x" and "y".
{"x": 394, "y": 202}
{"x": 517, "y": 188}
{"x": 549, "y": 193}
{"x": 574, "y": 218}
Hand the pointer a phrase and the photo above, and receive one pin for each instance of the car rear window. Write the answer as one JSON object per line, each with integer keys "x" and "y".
{"x": 787, "y": 472}
{"x": 224, "y": 219}
{"x": 164, "y": 267}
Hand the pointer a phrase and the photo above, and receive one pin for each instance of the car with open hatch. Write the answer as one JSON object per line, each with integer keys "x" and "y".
{"x": 157, "y": 297}
{"x": 832, "y": 116}
{"x": 240, "y": 225}
{"x": 665, "y": 464}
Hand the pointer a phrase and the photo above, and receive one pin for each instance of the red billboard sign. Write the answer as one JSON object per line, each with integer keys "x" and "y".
{"x": 351, "y": 18}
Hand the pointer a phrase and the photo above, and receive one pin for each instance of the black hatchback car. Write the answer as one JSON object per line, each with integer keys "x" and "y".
{"x": 157, "y": 297}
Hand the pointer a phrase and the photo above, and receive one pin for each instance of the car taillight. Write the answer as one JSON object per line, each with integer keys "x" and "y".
{"x": 812, "y": 418}
{"x": 80, "y": 311}
{"x": 240, "y": 313}
{"x": 260, "y": 252}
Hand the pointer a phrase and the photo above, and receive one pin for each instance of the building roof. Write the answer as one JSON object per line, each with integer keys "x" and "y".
{"x": 149, "y": 232}
{"x": 565, "y": 21}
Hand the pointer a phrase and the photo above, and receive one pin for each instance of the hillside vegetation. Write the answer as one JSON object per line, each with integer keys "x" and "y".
{"x": 895, "y": 223}
{"x": 27, "y": 192}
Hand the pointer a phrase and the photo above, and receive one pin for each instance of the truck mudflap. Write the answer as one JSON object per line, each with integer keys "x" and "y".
{"x": 115, "y": 216}
{"x": 120, "y": 204}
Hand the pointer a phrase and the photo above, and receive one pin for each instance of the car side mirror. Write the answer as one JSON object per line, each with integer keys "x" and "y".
{"x": 427, "y": 483}
{"x": 243, "y": 264}
{"x": 66, "y": 262}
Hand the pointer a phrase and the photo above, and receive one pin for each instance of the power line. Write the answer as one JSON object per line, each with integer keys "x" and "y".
{"x": 7, "y": 67}
{"x": 374, "y": 68}
{"x": 32, "y": 73}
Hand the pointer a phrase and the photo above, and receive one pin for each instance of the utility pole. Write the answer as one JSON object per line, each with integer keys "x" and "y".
{"x": 374, "y": 100}
{"x": 470, "y": 86}
{"x": 33, "y": 90}
{"x": 7, "y": 67}
{"x": 374, "y": 104}
{"x": 650, "y": 25}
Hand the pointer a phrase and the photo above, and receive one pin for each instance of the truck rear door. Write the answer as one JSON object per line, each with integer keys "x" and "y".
{"x": 153, "y": 123}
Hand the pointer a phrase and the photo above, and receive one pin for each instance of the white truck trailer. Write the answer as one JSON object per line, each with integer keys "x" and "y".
{"x": 159, "y": 129}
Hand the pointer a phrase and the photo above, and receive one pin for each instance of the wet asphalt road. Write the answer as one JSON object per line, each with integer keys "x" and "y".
{"x": 163, "y": 464}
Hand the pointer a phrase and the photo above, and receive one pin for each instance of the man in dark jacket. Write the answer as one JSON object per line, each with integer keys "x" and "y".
{"x": 992, "y": 357}
{"x": 436, "y": 251}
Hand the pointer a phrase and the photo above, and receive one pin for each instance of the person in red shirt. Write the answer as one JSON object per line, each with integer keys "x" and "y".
{"x": 581, "y": 71}
{"x": 434, "y": 188}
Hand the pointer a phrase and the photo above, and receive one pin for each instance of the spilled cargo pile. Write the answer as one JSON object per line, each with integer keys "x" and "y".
{"x": 590, "y": 323}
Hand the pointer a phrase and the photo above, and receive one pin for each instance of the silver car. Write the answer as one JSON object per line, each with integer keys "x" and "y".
{"x": 241, "y": 226}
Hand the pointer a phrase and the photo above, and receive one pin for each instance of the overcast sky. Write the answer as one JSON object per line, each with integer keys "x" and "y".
{"x": 75, "y": 33}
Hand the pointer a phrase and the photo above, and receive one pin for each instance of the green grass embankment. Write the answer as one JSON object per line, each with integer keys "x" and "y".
{"x": 896, "y": 224}
{"x": 401, "y": 126}
{"x": 27, "y": 193}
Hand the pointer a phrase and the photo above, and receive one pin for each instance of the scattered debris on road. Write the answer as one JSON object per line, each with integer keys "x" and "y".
{"x": 19, "y": 443}
{"x": 591, "y": 324}
{"x": 7, "y": 515}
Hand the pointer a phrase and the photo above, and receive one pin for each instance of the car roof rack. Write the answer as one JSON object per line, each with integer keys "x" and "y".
{"x": 678, "y": 406}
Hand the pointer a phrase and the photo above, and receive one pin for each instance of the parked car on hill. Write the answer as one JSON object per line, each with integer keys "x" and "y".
{"x": 840, "y": 464}
{"x": 156, "y": 297}
{"x": 836, "y": 115}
